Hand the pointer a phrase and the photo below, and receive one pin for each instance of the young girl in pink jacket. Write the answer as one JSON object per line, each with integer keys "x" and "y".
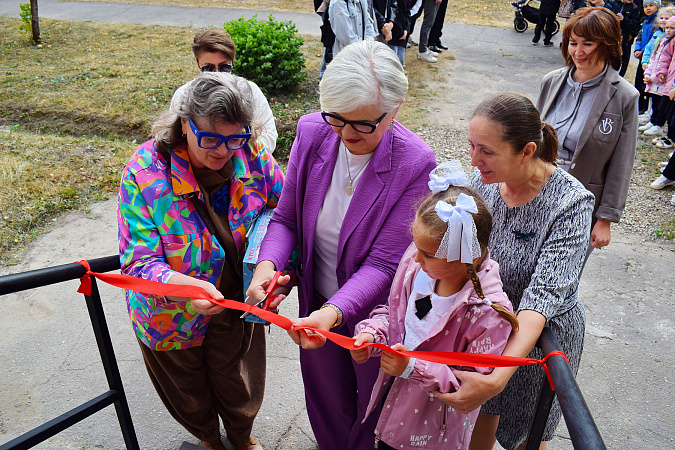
{"x": 446, "y": 296}
{"x": 657, "y": 78}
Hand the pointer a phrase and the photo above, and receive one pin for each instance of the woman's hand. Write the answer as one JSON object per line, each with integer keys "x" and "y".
{"x": 620, "y": 17}
{"x": 662, "y": 78}
{"x": 361, "y": 355}
{"x": 200, "y": 305}
{"x": 394, "y": 364}
{"x": 322, "y": 319}
{"x": 638, "y": 54}
{"x": 671, "y": 94}
{"x": 475, "y": 389}
{"x": 601, "y": 234}
{"x": 264, "y": 272}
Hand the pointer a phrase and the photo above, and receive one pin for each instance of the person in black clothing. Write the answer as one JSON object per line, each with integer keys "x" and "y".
{"x": 385, "y": 16}
{"x": 547, "y": 12}
{"x": 629, "y": 20}
{"x": 436, "y": 32}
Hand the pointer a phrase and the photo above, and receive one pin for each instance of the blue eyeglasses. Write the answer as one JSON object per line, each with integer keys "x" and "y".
{"x": 213, "y": 140}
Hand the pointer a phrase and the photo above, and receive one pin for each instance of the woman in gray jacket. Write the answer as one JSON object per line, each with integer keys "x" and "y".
{"x": 594, "y": 111}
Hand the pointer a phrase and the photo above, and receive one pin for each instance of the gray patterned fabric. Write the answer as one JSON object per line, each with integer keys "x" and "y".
{"x": 540, "y": 248}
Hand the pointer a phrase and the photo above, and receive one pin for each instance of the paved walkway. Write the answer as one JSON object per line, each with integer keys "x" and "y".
{"x": 50, "y": 364}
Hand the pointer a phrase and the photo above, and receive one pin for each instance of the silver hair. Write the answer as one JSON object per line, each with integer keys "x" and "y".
{"x": 214, "y": 95}
{"x": 365, "y": 73}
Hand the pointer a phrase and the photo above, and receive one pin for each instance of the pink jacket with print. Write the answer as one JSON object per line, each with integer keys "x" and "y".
{"x": 655, "y": 86}
{"x": 666, "y": 65}
{"x": 411, "y": 417}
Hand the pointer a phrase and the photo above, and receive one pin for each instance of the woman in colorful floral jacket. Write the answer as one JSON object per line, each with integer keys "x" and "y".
{"x": 187, "y": 199}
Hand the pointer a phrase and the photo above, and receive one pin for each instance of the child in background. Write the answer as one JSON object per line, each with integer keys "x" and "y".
{"x": 401, "y": 30}
{"x": 655, "y": 83}
{"x": 649, "y": 22}
{"x": 663, "y": 16}
{"x": 666, "y": 71}
{"x": 446, "y": 296}
{"x": 629, "y": 20}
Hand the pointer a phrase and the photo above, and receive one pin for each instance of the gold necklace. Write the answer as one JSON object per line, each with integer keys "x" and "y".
{"x": 350, "y": 188}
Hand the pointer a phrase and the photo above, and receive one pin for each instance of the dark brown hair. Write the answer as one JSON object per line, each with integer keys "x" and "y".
{"x": 213, "y": 40}
{"x": 599, "y": 25}
{"x": 435, "y": 228}
{"x": 520, "y": 124}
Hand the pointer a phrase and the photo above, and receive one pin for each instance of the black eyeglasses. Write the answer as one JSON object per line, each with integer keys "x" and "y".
{"x": 361, "y": 126}
{"x": 222, "y": 67}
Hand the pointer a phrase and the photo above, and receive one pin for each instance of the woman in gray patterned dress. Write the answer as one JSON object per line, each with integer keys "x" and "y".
{"x": 541, "y": 225}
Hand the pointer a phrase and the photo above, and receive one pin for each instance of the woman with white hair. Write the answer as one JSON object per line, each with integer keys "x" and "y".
{"x": 354, "y": 178}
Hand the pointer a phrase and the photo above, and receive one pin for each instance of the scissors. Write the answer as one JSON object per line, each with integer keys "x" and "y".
{"x": 267, "y": 299}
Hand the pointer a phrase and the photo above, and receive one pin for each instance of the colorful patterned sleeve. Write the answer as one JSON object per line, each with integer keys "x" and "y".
{"x": 274, "y": 177}
{"x": 141, "y": 251}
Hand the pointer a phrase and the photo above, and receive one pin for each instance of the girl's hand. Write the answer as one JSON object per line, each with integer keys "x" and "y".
{"x": 662, "y": 78}
{"x": 619, "y": 16}
{"x": 475, "y": 389}
{"x": 322, "y": 319}
{"x": 405, "y": 34}
{"x": 671, "y": 94}
{"x": 392, "y": 363}
{"x": 637, "y": 54}
{"x": 601, "y": 233}
{"x": 361, "y": 355}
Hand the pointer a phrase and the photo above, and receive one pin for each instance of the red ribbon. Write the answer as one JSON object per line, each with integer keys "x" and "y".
{"x": 449, "y": 358}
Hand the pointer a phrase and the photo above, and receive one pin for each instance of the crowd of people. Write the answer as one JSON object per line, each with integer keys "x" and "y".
{"x": 383, "y": 243}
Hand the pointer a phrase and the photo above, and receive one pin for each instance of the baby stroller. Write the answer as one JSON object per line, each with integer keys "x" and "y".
{"x": 524, "y": 13}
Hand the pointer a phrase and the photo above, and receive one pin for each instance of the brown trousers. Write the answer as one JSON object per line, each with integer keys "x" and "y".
{"x": 225, "y": 377}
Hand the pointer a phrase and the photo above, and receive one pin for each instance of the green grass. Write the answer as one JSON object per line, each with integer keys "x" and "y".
{"x": 44, "y": 175}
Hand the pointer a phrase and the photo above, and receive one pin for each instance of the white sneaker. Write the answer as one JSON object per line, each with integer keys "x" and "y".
{"x": 412, "y": 41}
{"x": 427, "y": 57}
{"x": 654, "y": 131}
{"x": 656, "y": 140}
{"x": 646, "y": 126}
{"x": 434, "y": 54}
{"x": 663, "y": 164}
{"x": 672, "y": 200}
{"x": 643, "y": 119}
{"x": 665, "y": 143}
{"x": 662, "y": 182}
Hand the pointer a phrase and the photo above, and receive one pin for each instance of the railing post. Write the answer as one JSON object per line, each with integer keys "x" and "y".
{"x": 541, "y": 412}
{"x": 112, "y": 373}
{"x": 580, "y": 424}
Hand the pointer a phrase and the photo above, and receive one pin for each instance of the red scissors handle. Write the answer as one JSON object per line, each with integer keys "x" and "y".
{"x": 273, "y": 285}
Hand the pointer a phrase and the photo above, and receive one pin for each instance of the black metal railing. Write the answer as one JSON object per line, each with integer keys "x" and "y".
{"x": 115, "y": 395}
{"x": 580, "y": 424}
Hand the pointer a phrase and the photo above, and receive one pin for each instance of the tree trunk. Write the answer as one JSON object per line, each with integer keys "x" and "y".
{"x": 35, "y": 21}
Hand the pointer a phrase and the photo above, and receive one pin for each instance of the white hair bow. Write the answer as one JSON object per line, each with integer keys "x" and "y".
{"x": 459, "y": 241}
{"x": 448, "y": 173}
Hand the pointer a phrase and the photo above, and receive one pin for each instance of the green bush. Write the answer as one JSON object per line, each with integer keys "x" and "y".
{"x": 268, "y": 53}
{"x": 26, "y": 18}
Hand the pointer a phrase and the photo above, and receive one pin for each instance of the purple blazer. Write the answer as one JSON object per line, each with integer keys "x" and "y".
{"x": 376, "y": 229}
